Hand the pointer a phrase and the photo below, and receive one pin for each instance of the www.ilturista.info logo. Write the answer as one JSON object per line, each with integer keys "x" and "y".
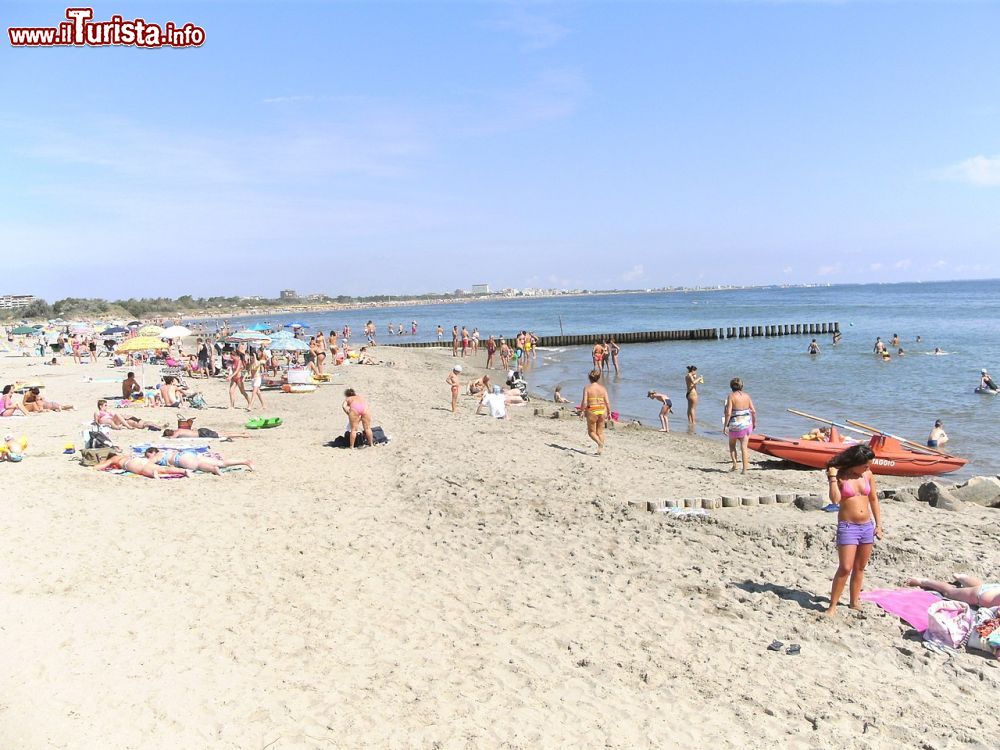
{"x": 80, "y": 30}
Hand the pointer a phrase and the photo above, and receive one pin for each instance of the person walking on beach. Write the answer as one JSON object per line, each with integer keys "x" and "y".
{"x": 454, "y": 341}
{"x": 465, "y": 340}
{"x": 665, "y": 410}
{"x": 596, "y": 405}
{"x": 691, "y": 382}
{"x": 455, "y": 384}
{"x": 256, "y": 378}
{"x": 859, "y": 520}
{"x": 504, "y": 355}
{"x": 236, "y": 379}
{"x": 739, "y": 421}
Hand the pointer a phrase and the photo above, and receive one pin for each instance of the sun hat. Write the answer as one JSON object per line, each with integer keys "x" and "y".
{"x": 457, "y": 368}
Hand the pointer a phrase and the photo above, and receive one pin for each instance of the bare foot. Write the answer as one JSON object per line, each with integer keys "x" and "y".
{"x": 855, "y": 606}
{"x": 917, "y": 582}
{"x": 662, "y": 430}
{"x": 733, "y": 468}
{"x": 831, "y": 610}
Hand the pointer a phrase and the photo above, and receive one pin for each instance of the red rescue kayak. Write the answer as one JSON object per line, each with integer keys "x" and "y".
{"x": 891, "y": 457}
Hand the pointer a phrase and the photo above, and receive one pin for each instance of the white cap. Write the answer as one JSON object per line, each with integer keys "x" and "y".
{"x": 457, "y": 368}
{"x": 983, "y": 371}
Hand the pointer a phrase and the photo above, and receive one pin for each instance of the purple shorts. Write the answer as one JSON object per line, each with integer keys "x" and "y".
{"x": 850, "y": 534}
{"x": 739, "y": 434}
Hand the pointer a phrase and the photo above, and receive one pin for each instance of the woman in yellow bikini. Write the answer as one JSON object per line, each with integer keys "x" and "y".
{"x": 596, "y": 407}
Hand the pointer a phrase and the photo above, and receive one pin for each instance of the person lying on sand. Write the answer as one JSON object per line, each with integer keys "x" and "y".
{"x": 140, "y": 465}
{"x": 203, "y": 432}
{"x": 36, "y": 402}
{"x": 972, "y": 591}
{"x": 192, "y": 461}
{"x": 103, "y": 417}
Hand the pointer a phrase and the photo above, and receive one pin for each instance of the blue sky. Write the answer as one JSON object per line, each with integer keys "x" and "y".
{"x": 357, "y": 148}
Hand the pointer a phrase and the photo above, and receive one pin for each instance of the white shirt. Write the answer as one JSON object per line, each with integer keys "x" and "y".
{"x": 496, "y": 404}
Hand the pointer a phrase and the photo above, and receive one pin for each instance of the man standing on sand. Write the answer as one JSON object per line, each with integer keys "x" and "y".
{"x": 440, "y": 333}
{"x": 454, "y": 341}
{"x": 455, "y": 384}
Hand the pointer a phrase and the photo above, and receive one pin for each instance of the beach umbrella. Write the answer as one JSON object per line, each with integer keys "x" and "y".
{"x": 247, "y": 336}
{"x": 260, "y": 327}
{"x": 134, "y": 324}
{"x": 175, "y": 332}
{"x": 282, "y": 335}
{"x": 289, "y": 345}
{"x": 150, "y": 331}
{"x": 113, "y": 330}
{"x": 140, "y": 344}
{"x": 297, "y": 325}
{"x": 24, "y": 331}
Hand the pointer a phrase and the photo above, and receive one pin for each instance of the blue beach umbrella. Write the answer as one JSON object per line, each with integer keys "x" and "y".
{"x": 289, "y": 345}
{"x": 297, "y": 325}
{"x": 282, "y": 335}
{"x": 260, "y": 327}
{"x": 113, "y": 330}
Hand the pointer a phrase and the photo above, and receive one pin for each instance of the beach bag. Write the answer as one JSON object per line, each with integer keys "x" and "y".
{"x": 949, "y": 623}
{"x": 93, "y": 456}
{"x": 185, "y": 423}
{"x": 97, "y": 438}
{"x": 197, "y": 401}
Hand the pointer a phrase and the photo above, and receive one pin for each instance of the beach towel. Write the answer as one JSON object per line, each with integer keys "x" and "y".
{"x": 908, "y": 604}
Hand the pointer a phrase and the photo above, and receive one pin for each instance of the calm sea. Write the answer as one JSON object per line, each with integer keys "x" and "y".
{"x": 902, "y": 396}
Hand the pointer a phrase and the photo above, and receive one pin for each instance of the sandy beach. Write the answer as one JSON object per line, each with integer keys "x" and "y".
{"x": 474, "y": 583}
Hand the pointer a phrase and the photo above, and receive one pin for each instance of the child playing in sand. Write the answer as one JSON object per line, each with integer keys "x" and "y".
{"x": 665, "y": 410}
{"x": 453, "y": 381}
{"x": 859, "y": 522}
{"x": 559, "y": 398}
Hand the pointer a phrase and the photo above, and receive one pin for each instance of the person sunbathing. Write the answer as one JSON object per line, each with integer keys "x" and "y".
{"x": 968, "y": 589}
{"x": 202, "y": 432}
{"x": 140, "y": 465}
{"x": 105, "y": 418}
{"x": 171, "y": 392}
{"x": 7, "y": 406}
{"x": 192, "y": 461}
{"x": 34, "y": 401}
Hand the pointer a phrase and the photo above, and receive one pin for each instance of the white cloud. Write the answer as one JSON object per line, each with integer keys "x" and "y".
{"x": 902, "y": 265}
{"x": 786, "y": 270}
{"x": 875, "y": 267}
{"x": 635, "y": 274}
{"x": 940, "y": 264}
{"x": 827, "y": 270}
{"x": 537, "y": 31}
{"x": 982, "y": 171}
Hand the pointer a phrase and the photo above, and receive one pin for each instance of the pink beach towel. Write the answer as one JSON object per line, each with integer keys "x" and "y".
{"x": 908, "y": 604}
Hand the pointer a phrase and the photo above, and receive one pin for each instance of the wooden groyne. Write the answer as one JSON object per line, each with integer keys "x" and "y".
{"x": 648, "y": 337}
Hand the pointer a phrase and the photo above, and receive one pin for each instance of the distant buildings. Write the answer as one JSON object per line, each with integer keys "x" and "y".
{"x": 480, "y": 288}
{"x": 10, "y": 301}
{"x": 289, "y": 294}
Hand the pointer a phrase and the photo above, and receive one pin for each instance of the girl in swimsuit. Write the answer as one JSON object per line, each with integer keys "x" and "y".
{"x": 691, "y": 381}
{"x": 191, "y": 461}
{"x": 236, "y": 379}
{"x": 597, "y": 355}
{"x": 859, "y": 522}
{"x": 739, "y": 421}
{"x": 357, "y": 411}
{"x": 665, "y": 410}
{"x": 103, "y": 417}
{"x": 596, "y": 405}
{"x": 256, "y": 379}
{"x": 973, "y": 591}
{"x": 7, "y": 406}
{"x": 615, "y": 350}
{"x": 138, "y": 465}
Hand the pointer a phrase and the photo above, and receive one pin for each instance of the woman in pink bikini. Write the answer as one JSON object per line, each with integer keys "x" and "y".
{"x": 859, "y": 522}
{"x": 359, "y": 414}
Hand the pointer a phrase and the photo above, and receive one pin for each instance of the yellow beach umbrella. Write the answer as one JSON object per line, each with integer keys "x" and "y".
{"x": 150, "y": 331}
{"x": 140, "y": 344}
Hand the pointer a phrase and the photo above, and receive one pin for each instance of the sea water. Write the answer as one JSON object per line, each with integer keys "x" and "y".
{"x": 902, "y": 396}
